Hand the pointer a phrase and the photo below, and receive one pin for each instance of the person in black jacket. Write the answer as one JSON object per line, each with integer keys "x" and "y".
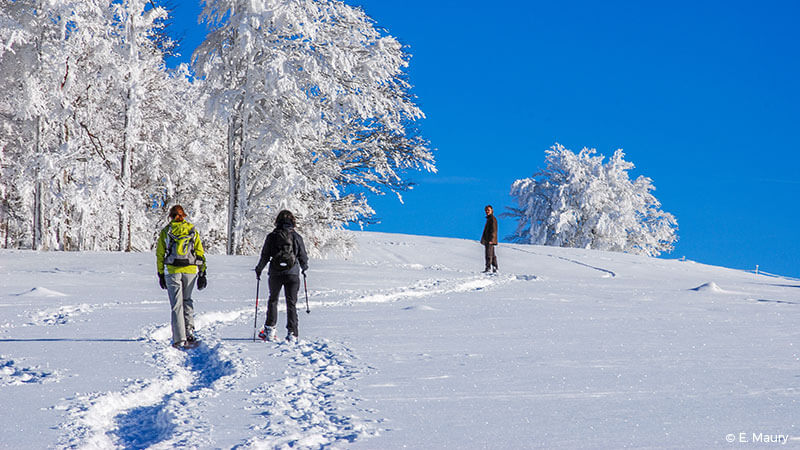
{"x": 285, "y": 252}
{"x": 489, "y": 240}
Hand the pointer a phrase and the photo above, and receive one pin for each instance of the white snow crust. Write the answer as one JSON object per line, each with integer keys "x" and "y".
{"x": 407, "y": 345}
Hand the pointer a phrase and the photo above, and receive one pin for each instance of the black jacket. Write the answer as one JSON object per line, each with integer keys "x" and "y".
{"x": 270, "y": 249}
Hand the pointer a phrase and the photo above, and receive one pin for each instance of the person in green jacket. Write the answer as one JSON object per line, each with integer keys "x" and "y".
{"x": 180, "y": 251}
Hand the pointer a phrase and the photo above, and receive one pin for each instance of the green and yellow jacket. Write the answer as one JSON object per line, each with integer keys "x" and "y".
{"x": 179, "y": 229}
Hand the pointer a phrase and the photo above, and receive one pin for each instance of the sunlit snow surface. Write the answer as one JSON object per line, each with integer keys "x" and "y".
{"x": 407, "y": 344}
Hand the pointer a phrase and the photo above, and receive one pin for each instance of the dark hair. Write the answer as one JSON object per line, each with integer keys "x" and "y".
{"x": 175, "y": 210}
{"x": 488, "y": 206}
{"x": 285, "y": 216}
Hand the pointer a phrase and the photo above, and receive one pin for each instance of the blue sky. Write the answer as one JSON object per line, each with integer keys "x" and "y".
{"x": 703, "y": 96}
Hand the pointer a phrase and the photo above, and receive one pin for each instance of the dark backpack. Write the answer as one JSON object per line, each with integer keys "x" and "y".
{"x": 284, "y": 259}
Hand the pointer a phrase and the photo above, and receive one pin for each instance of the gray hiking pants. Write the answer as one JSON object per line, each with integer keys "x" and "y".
{"x": 179, "y": 288}
{"x": 491, "y": 257}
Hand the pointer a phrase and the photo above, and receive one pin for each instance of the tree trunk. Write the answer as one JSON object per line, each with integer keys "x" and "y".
{"x": 38, "y": 223}
{"x": 130, "y": 130}
{"x": 234, "y": 175}
{"x": 125, "y": 178}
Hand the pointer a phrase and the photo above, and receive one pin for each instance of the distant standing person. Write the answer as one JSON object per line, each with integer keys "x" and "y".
{"x": 179, "y": 249}
{"x": 285, "y": 252}
{"x": 489, "y": 239}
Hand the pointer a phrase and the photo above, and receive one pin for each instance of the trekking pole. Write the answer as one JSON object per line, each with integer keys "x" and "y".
{"x": 255, "y": 320}
{"x": 305, "y": 287}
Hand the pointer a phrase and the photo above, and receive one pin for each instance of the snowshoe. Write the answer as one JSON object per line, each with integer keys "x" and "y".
{"x": 186, "y": 345}
{"x": 268, "y": 334}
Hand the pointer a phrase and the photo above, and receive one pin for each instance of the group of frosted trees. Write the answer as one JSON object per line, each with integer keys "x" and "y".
{"x": 299, "y": 104}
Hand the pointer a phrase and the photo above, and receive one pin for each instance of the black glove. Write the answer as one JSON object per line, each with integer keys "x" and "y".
{"x": 162, "y": 281}
{"x": 258, "y": 273}
{"x": 202, "y": 281}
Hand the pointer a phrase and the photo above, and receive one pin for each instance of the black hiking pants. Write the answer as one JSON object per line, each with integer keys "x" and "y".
{"x": 291, "y": 286}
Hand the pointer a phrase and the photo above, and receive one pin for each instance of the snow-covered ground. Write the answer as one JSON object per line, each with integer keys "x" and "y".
{"x": 406, "y": 345}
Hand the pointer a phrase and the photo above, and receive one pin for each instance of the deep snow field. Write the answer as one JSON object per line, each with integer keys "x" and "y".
{"x": 406, "y": 345}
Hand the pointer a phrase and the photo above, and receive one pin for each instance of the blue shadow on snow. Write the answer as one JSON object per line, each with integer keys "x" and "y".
{"x": 145, "y": 426}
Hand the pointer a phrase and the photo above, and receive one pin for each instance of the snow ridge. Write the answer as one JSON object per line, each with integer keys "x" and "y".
{"x": 40, "y": 292}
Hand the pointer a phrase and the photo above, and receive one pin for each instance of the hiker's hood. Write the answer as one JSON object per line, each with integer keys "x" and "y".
{"x": 180, "y": 228}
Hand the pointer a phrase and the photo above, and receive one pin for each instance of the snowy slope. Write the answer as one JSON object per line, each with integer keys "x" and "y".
{"x": 407, "y": 345}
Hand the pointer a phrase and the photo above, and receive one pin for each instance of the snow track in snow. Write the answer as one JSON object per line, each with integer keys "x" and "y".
{"x": 164, "y": 411}
{"x": 311, "y": 407}
{"x": 606, "y": 272}
{"x": 177, "y": 420}
{"x": 423, "y": 288}
{"x": 94, "y": 417}
{"x": 61, "y": 315}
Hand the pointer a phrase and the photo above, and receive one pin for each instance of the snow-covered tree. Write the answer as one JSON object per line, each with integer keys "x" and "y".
{"x": 579, "y": 201}
{"x": 186, "y": 168}
{"x": 317, "y": 109}
{"x": 153, "y": 113}
{"x": 14, "y": 215}
{"x": 310, "y": 106}
{"x": 93, "y": 124}
{"x": 33, "y": 63}
{"x": 161, "y": 146}
{"x": 87, "y": 179}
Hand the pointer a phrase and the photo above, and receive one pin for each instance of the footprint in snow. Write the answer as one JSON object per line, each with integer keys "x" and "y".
{"x": 59, "y": 316}
{"x": 165, "y": 411}
{"x": 170, "y": 421}
{"x": 527, "y": 277}
{"x": 311, "y": 406}
{"x": 11, "y": 374}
